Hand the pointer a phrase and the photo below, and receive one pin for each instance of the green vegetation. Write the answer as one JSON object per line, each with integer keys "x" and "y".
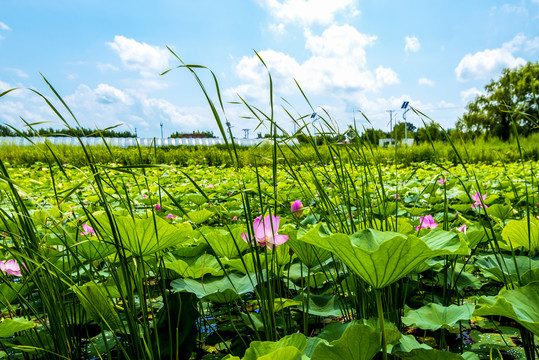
{"x": 509, "y": 101}
{"x": 78, "y": 132}
{"x": 289, "y": 251}
{"x": 205, "y": 134}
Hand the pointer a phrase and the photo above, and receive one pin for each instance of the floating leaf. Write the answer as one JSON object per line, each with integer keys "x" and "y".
{"x": 283, "y": 347}
{"x": 520, "y": 305}
{"x": 517, "y": 234}
{"x": 9, "y": 326}
{"x": 144, "y": 236}
{"x": 221, "y": 290}
{"x": 197, "y": 267}
{"x": 358, "y": 342}
{"x": 433, "y": 354}
{"x": 434, "y": 316}
{"x": 381, "y": 258}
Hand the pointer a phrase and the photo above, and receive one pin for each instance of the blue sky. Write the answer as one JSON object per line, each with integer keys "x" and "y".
{"x": 105, "y": 57}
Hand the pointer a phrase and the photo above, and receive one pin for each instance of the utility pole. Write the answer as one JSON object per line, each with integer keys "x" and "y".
{"x": 246, "y": 133}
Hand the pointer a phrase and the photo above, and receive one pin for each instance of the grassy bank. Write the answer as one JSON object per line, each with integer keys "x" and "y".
{"x": 480, "y": 151}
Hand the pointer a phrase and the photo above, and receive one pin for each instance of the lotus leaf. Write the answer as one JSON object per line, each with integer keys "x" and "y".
{"x": 433, "y": 354}
{"x": 144, "y": 236}
{"x": 434, "y": 316}
{"x": 358, "y": 342}
{"x": 221, "y": 290}
{"x": 9, "y": 326}
{"x": 517, "y": 234}
{"x": 381, "y": 258}
{"x": 197, "y": 267}
{"x": 520, "y": 305}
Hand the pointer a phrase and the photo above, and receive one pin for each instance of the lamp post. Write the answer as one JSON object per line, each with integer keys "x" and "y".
{"x": 406, "y": 109}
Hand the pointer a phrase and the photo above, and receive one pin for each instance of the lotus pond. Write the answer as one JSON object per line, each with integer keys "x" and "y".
{"x": 345, "y": 260}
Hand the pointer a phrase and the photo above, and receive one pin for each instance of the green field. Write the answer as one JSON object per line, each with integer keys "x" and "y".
{"x": 156, "y": 261}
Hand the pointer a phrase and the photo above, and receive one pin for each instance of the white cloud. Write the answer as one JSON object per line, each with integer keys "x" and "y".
{"x": 425, "y": 81}
{"x": 309, "y": 12}
{"x": 107, "y": 67}
{"x": 487, "y": 63}
{"x": 514, "y": 9}
{"x": 18, "y": 72}
{"x": 469, "y": 94}
{"x": 106, "y": 94}
{"x": 147, "y": 59}
{"x": 278, "y": 28}
{"x": 386, "y": 76}
{"x": 532, "y": 45}
{"x": 412, "y": 44}
{"x": 4, "y": 86}
{"x": 4, "y": 26}
{"x": 338, "y": 62}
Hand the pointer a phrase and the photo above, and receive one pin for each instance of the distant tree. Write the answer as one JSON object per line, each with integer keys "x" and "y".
{"x": 505, "y": 100}
{"x": 399, "y": 130}
{"x": 372, "y": 136}
{"x": 206, "y": 134}
{"x": 432, "y": 130}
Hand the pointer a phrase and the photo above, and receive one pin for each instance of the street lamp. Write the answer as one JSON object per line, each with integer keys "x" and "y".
{"x": 406, "y": 109}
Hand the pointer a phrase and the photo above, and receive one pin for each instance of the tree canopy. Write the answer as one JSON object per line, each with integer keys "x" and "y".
{"x": 511, "y": 97}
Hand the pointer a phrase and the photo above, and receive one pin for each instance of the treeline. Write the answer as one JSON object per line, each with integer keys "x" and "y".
{"x": 80, "y": 132}
{"x": 204, "y": 134}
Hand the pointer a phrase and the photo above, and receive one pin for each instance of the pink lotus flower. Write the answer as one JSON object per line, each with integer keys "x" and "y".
{"x": 171, "y": 216}
{"x": 10, "y": 267}
{"x": 426, "y": 222}
{"x": 462, "y": 229}
{"x": 235, "y": 218}
{"x": 265, "y": 232}
{"x": 144, "y": 196}
{"x": 442, "y": 181}
{"x": 157, "y": 207}
{"x": 88, "y": 230}
{"x": 297, "y": 208}
{"x": 479, "y": 199}
{"x": 210, "y": 186}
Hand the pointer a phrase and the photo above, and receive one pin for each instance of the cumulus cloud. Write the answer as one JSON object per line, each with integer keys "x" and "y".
{"x": 147, "y": 59}
{"x": 309, "y": 12}
{"x": 4, "y": 26}
{"x": 107, "y": 67}
{"x": 425, "y": 81}
{"x": 470, "y": 94}
{"x": 18, "y": 72}
{"x": 338, "y": 62}
{"x": 412, "y": 44}
{"x": 487, "y": 63}
{"x": 106, "y": 94}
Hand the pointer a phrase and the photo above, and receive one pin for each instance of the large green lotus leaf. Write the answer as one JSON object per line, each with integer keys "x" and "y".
{"x": 226, "y": 244}
{"x": 93, "y": 250}
{"x": 221, "y": 290}
{"x": 517, "y": 234}
{"x": 510, "y": 267}
{"x": 322, "y": 305}
{"x": 144, "y": 236}
{"x": 520, "y": 305}
{"x": 199, "y": 216}
{"x": 308, "y": 254}
{"x": 259, "y": 349}
{"x": 433, "y": 354}
{"x": 500, "y": 211}
{"x": 10, "y": 292}
{"x": 197, "y": 267}
{"x": 381, "y": 258}
{"x": 285, "y": 353}
{"x": 434, "y": 316}
{"x": 9, "y": 326}
{"x": 358, "y": 342}
{"x": 98, "y": 305}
